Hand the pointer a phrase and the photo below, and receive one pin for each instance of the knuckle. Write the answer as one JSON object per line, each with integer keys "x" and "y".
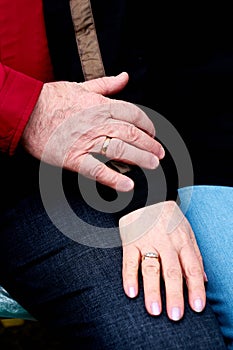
{"x": 200, "y": 258}
{"x": 194, "y": 271}
{"x": 132, "y": 133}
{"x": 185, "y": 243}
{"x": 131, "y": 265}
{"x": 130, "y": 269}
{"x": 118, "y": 149}
{"x": 173, "y": 273}
{"x": 97, "y": 171}
{"x": 149, "y": 271}
{"x": 185, "y": 239}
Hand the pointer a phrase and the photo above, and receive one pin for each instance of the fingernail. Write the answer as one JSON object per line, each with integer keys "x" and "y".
{"x": 176, "y": 314}
{"x": 161, "y": 152}
{"x": 121, "y": 74}
{"x": 125, "y": 185}
{"x": 154, "y": 162}
{"x": 205, "y": 277}
{"x": 132, "y": 292}
{"x": 155, "y": 308}
{"x": 198, "y": 305}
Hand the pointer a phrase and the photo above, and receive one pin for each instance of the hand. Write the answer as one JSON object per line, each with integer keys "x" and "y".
{"x": 162, "y": 228}
{"x": 71, "y": 121}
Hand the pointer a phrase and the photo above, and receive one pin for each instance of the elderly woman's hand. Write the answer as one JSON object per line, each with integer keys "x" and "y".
{"x": 162, "y": 230}
{"x": 73, "y": 122}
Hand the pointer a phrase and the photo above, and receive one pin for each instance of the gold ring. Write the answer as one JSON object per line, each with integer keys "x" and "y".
{"x": 105, "y": 145}
{"x": 149, "y": 255}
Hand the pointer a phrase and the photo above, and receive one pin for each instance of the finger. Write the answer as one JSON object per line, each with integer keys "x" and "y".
{"x": 134, "y": 136}
{"x": 173, "y": 278}
{"x": 131, "y": 259}
{"x": 151, "y": 285}
{"x": 98, "y": 171}
{"x": 132, "y": 114}
{"x": 107, "y": 85}
{"x": 122, "y": 151}
{"x": 193, "y": 272}
{"x": 198, "y": 253}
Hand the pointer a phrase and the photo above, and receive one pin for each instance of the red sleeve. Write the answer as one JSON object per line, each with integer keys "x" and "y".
{"x": 18, "y": 96}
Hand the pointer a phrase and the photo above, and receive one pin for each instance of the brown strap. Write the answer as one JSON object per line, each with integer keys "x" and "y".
{"x": 86, "y": 39}
{"x": 88, "y": 49}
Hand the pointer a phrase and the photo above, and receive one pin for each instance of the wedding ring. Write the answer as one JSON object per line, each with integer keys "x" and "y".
{"x": 149, "y": 255}
{"x": 105, "y": 145}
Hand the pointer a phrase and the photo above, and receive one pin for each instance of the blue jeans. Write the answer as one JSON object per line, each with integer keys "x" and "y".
{"x": 76, "y": 291}
{"x": 210, "y": 212}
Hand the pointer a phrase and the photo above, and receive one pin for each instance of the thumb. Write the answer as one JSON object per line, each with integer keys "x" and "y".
{"x": 107, "y": 85}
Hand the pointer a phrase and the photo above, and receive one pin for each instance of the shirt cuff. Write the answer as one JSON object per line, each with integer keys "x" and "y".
{"x": 18, "y": 96}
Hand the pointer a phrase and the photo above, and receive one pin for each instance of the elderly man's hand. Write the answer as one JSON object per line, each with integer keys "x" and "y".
{"x": 74, "y": 121}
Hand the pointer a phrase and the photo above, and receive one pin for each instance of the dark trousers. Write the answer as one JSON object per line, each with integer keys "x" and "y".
{"x": 75, "y": 289}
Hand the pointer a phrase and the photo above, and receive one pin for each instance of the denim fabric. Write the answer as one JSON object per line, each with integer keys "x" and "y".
{"x": 76, "y": 291}
{"x": 210, "y": 212}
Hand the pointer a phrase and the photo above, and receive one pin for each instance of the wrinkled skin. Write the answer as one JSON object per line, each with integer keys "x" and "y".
{"x": 68, "y": 128}
{"x": 71, "y": 121}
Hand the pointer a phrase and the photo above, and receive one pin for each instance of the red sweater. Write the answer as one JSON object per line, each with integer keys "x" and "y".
{"x": 24, "y": 66}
